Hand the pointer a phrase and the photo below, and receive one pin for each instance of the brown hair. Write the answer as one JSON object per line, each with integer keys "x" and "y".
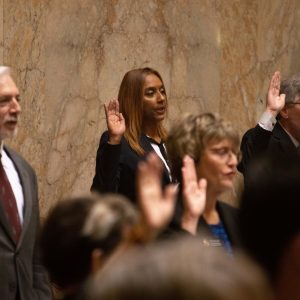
{"x": 131, "y": 106}
{"x": 190, "y": 135}
{"x": 182, "y": 269}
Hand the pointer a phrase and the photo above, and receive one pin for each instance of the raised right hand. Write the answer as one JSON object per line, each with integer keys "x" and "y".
{"x": 156, "y": 205}
{"x": 275, "y": 101}
{"x": 194, "y": 195}
{"x": 115, "y": 121}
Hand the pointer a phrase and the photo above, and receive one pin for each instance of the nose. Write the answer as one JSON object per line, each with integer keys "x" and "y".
{"x": 161, "y": 96}
{"x": 232, "y": 159}
{"x": 15, "y": 106}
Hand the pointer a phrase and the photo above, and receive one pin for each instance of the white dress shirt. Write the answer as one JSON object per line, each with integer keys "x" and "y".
{"x": 156, "y": 149}
{"x": 267, "y": 122}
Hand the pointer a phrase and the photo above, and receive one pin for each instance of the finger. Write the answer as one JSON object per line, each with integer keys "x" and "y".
{"x": 141, "y": 168}
{"x": 275, "y": 81}
{"x": 282, "y": 98}
{"x": 201, "y": 190}
{"x": 189, "y": 170}
{"x": 113, "y": 106}
{"x": 121, "y": 118}
{"x": 202, "y": 184}
{"x": 144, "y": 174}
{"x": 105, "y": 110}
{"x": 155, "y": 164}
{"x": 110, "y": 107}
{"x": 272, "y": 81}
{"x": 143, "y": 182}
{"x": 170, "y": 193}
{"x": 149, "y": 190}
{"x": 149, "y": 172}
{"x": 117, "y": 105}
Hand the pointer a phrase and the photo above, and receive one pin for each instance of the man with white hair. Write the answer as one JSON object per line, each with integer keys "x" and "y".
{"x": 22, "y": 275}
{"x": 278, "y": 130}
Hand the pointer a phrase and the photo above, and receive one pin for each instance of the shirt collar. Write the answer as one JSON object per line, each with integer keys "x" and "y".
{"x": 1, "y": 148}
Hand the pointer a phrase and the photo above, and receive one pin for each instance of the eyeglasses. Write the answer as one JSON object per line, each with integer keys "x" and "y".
{"x": 226, "y": 153}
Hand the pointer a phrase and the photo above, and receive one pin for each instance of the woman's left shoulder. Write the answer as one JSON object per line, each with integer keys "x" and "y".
{"x": 227, "y": 206}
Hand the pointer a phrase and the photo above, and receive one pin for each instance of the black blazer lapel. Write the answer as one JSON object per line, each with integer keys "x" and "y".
{"x": 283, "y": 140}
{"x": 146, "y": 145}
{"x": 229, "y": 216}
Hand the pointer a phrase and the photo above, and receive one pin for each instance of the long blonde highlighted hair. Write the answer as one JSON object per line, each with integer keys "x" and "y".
{"x": 131, "y": 106}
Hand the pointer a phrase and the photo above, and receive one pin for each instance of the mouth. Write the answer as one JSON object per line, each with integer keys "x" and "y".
{"x": 11, "y": 123}
{"x": 230, "y": 174}
{"x": 161, "y": 110}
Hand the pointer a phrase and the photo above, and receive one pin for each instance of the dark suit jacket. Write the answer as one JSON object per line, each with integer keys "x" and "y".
{"x": 20, "y": 268}
{"x": 257, "y": 140}
{"x": 229, "y": 215}
{"x": 230, "y": 218}
{"x": 116, "y": 167}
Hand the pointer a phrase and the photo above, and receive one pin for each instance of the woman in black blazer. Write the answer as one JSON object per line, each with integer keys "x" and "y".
{"x": 135, "y": 128}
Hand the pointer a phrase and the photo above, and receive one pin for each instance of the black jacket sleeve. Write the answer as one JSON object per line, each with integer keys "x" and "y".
{"x": 254, "y": 142}
{"x": 107, "y": 172}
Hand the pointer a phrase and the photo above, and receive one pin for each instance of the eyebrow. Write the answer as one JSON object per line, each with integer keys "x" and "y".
{"x": 154, "y": 87}
{"x": 4, "y": 97}
{"x": 8, "y": 96}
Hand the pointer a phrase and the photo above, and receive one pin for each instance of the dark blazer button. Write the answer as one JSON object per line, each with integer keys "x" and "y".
{"x": 12, "y": 286}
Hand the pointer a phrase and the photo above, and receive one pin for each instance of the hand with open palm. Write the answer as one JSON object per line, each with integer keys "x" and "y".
{"x": 275, "y": 100}
{"x": 194, "y": 195}
{"x": 115, "y": 121}
{"x": 156, "y": 205}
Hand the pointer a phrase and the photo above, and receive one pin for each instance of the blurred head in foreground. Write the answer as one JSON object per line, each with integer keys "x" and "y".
{"x": 81, "y": 233}
{"x": 270, "y": 222}
{"x": 180, "y": 269}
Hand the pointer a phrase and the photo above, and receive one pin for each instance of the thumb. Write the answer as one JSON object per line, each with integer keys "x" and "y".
{"x": 202, "y": 184}
{"x": 170, "y": 193}
{"x": 282, "y": 98}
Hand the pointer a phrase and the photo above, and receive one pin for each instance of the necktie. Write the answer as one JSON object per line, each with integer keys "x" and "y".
{"x": 161, "y": 149}
{"x": 9, "y": 203}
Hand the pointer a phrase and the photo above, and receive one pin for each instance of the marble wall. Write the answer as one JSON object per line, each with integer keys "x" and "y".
{"x": 1, "y": 31}
{"x": 70, "y": 56}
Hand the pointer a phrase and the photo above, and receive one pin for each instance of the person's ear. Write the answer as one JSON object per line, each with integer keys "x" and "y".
{"x": 96, "y": 260}
{"x": 284, "y": 113}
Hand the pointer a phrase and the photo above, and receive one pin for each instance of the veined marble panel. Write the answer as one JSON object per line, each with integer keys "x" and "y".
{"x": 1, "y": 32}
{"x": 70, "y": 56}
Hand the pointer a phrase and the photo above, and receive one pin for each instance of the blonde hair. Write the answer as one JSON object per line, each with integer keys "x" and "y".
{"x": 190, "y": 135}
